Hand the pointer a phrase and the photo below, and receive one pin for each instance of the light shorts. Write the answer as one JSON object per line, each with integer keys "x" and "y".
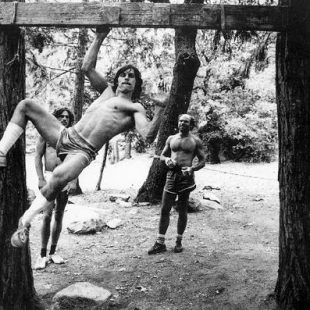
{"x": 70, "y": 143}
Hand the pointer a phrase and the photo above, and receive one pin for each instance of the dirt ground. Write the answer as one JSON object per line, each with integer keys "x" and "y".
{"x": 230, "y": 256}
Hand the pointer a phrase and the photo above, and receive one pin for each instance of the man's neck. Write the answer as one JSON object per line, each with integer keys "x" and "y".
{"x": 123, "y": 94}
{"x": 184, "y": 134}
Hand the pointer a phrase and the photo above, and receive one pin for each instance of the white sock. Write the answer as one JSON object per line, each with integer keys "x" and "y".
{"x": 40, "y": 203}
{"x": 10, "y": 136}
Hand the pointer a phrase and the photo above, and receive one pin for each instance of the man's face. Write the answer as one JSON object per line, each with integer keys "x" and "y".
{"x": 184, "y": 123}
{"x": 64, "y": 118}
{"x": 127, "y": 81}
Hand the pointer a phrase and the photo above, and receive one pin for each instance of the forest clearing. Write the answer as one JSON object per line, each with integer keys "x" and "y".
{"x": 230, "y": 259}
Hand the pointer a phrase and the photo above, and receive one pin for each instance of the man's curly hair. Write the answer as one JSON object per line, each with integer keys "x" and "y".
{"x": 138, "y": 88}
{"x": 59, "y": 111}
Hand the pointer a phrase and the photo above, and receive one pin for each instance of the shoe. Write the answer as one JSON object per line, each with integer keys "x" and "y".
{"x": 41, "y": 263}
{"x": 3, "y": 161}
{"x": 21, "y": 235}
{"x": 157, "y": 248}
{"x": 178, "y": 247}
{"x": 56, "y": 259}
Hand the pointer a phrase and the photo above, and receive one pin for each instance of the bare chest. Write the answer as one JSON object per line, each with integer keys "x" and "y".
{"x": 187, "y": 145}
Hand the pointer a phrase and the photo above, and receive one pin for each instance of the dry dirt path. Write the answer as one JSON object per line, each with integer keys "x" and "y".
{"x": 230, "y": 257}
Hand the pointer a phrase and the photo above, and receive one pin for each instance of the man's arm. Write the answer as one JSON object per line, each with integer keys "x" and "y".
{"x": 40, "y": 150}
{"x": 97, "y": 80}
{"x": 148, "y": 130}
{"x": 200, "y": 155}
{"x": 166, "y": 153}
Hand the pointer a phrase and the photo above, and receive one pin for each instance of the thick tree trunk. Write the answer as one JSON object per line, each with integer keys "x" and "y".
{"x": 184, "y": 73}
{"x": 293, "y": 99}
{"x": 78, "y": 98}
{"x": 16, "y": 283}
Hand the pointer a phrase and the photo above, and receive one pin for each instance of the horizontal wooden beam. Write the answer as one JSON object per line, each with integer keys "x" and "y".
{"x": 144, "y": 15}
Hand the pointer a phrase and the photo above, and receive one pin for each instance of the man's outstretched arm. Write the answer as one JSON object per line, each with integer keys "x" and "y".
{"x": 97, "y": 80}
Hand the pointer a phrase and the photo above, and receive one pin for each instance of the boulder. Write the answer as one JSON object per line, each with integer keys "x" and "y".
{"x": 81, "y": 295}
{"x": 84, "y": 220}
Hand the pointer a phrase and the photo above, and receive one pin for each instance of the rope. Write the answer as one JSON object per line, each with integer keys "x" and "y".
{"x": 13, "y": 19}
{"x": 223, "y": 25}
{"x": 241, "y": 175}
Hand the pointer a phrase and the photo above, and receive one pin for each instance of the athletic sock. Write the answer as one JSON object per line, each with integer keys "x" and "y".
{"x": 179, "y": 238}
{"x": 160, "y": 239}
{"x": 43, "y": 252}
{"x": 40, "y": 203}
{"x": 53, "y": 249}
{"x": 10, "y": 136}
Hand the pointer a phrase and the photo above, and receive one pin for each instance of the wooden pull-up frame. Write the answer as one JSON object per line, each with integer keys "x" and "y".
{"x": 144, "y": 15}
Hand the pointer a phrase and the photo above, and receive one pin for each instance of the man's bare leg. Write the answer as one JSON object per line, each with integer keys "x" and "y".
{"x": 61, "y": 202}
{"x": 182, "y": 220}
{"x": 67, "y": 171}
{"x": 45, "y": 123}
{"x": 42, "y": 260}
{"x": 168, "y": 200}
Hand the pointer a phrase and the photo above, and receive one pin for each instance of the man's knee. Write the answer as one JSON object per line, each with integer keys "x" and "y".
{"x": 26, "y": 105}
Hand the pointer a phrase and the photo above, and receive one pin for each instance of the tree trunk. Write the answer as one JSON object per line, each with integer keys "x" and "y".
{"x": 16, "y": 284}
{"x": 78, "y": 98}
{"x": 293, "y": 99}
{"x": 128, "y": 140}
{"x": 184, "y": 73}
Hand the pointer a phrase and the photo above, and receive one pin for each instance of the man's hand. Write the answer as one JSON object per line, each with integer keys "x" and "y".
{"x": 187, "y": 171}
{"x": 103, "y": 30}
{"x": 41, "y": 183}
{"x": 170, "y": 163}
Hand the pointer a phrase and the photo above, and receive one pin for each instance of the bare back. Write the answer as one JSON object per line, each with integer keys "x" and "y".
{"x": 106, "y": 117}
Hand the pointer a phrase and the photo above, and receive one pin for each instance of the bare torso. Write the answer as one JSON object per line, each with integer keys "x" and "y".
{"x": 183, "y": 149}
{"x": 106, "y": 117}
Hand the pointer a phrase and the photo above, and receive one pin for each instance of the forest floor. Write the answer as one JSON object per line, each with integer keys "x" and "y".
{"x": 230, "y": 256}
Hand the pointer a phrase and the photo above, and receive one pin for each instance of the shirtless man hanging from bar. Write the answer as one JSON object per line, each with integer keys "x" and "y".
{"x": 115, "y": 111}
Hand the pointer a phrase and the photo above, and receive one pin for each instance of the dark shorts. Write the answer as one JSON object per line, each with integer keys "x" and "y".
{"x": 177, "y": 183}
{"x": 70, "y": 143}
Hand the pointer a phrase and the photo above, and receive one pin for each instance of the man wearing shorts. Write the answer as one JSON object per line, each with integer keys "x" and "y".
{"x": 47, "y": 154}
{"x": 178, "y": 154}
{"x": 114, "y": 111}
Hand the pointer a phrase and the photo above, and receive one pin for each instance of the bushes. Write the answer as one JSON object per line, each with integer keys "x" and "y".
{"x": 244, "y": 129}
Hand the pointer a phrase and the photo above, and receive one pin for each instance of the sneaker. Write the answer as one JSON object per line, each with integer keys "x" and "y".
{"x": 41, "y": 263}
{"x": 21, "y": 235}
{"x": 157, "y": 248}
{"x": 3, "y": 162}
{"x": 178, "y": 247}
{"x": 56, "y": 259}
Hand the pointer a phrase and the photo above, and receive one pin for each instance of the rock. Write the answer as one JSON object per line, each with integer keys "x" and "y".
{"x": 212, "y": 197}
{"x": 143, "y": 204}
{"x": 123, "y": 203}
{"x": 114, "y": 223}
{"x": 211, "y": 204}
{"x": 194, "y": 205}
{"x": 84, "y": 220}
{"x": 115, "y": 197}
{"x": 81, "y": 295}
{"x": 211, "y": 187}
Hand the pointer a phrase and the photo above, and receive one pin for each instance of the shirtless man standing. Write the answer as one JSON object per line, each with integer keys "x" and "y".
{"x": 115, "y": 111}
{"x": 178, "y": 154}
{"x": 47, "y": 154}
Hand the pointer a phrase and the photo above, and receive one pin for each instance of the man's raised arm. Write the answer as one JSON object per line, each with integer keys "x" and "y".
{"x": 97, "y": 80}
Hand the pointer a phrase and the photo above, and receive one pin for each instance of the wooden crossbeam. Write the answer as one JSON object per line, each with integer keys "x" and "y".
{"x": 144, "y": 15}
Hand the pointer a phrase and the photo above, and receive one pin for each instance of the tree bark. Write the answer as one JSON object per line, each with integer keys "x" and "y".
{"x": 184, "y": 73}
{"x": 78, "y": 98}
{"x": 16, "y": 284}
{"x": 293, "y": 98}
